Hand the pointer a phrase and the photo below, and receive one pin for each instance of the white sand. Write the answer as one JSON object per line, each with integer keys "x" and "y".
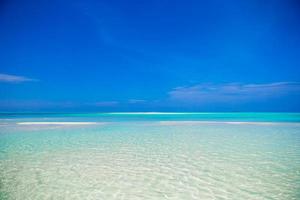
{"x": 57, "y": 123}
{"x": 170, "y": 123}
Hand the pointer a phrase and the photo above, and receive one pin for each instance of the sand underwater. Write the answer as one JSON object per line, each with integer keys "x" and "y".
{"x": 150, "y": 156}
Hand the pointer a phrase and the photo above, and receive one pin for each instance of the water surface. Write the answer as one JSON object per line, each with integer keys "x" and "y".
{"x": 150, "y": 156}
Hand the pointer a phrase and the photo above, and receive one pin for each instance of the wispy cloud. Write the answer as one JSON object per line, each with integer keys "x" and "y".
{"x": 54, "y": 105}
{"x": 34, "y": 104}
{"x": 106, "y": 104}
{"x": 136, "y": 101}
{"x": 238, "y": 92}
{"x": 7, "y": 78}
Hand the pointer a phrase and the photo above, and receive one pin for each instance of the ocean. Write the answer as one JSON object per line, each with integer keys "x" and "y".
{"x": 149, "y": 156}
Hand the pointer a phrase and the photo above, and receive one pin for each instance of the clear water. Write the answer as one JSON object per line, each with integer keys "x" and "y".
{"x": 150, "y": 156}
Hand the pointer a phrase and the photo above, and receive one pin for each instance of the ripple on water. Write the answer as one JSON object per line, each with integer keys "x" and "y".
{"x": 202, "y": 161}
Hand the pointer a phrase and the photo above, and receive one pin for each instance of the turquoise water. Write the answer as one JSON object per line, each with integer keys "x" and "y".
{"x": 154, "y": 116}
{"x": 150, "y": 156}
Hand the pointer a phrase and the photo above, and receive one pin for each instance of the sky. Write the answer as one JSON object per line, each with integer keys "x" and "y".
{"x": 156, "y": 55}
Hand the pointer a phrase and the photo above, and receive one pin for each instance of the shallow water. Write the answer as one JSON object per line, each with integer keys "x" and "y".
{"x": 153, "y": 157}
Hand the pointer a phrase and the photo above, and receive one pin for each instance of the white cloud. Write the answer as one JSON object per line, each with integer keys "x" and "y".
{"x": 238, "y": 92}
{"x": 7, "y": 78}
{"x": 136, "y": 101}
{"x": 40, "y": 104}
{"x": 34, "y": 104}
{"x": 106, "y": 103}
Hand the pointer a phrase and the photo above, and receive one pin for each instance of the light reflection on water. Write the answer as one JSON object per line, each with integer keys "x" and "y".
{"x": 150, "y": 160}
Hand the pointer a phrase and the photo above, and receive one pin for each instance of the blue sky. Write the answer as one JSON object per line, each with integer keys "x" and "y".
{"x": 91, "y": 55}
